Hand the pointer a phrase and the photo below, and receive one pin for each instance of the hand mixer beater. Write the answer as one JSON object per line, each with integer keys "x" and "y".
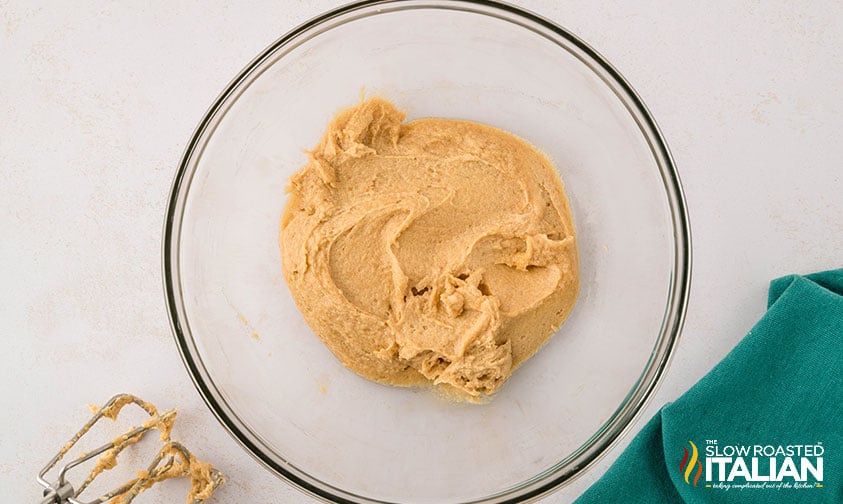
{"x": 173, "y": 460}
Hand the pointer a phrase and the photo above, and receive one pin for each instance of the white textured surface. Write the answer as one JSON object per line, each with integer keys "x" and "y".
{"x": 97, "y": 102}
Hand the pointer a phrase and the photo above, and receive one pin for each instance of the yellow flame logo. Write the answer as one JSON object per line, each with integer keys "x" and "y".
{"x": 686, "y": 467}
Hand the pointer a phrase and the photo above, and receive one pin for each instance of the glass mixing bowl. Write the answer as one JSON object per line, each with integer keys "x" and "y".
{"x": 278, "y": 389}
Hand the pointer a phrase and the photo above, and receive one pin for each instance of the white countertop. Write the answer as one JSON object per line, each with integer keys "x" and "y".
{"x": 97, "y": 102}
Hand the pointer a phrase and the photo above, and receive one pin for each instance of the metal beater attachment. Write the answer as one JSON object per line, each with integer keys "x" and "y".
{"x": 172, "y": 461}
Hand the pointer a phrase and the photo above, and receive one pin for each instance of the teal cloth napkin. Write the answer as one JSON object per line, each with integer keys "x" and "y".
{"x": 778, "y": 394}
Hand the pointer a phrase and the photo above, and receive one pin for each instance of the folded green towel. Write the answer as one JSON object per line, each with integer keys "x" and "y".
{"x": 765, "y": 425}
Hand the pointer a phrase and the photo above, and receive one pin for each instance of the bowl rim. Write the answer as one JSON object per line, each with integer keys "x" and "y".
{"x": 631, "y": 407}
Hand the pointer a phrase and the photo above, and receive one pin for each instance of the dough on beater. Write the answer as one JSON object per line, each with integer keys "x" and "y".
{"x": 175, "y": 461}
{"x": 437, "y": 250}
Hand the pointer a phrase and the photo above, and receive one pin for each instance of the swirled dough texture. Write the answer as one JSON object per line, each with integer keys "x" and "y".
{"x": 433, "y": 251}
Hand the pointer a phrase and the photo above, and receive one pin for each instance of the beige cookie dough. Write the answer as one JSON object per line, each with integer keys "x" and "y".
{"x": 435, "y": 251}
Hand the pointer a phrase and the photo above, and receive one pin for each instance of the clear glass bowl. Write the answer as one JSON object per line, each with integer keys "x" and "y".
{"x": 278, "y": 389}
